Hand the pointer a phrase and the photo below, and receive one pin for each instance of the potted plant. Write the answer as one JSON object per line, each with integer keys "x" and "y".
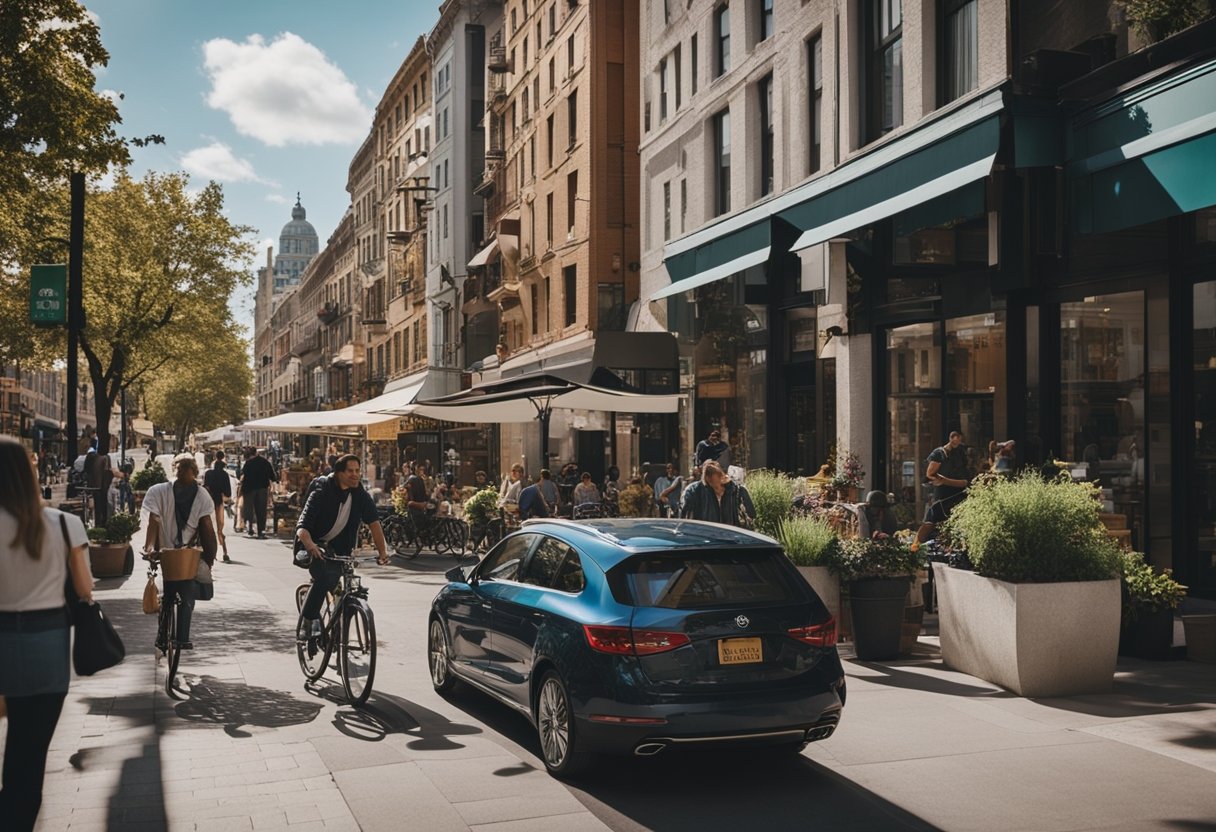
{"x": 877, "y": 573}
{"x": 479, "y": 509}
{"x": 108, "y": 545}
{"x": 1156, "y": 20}
{"x": 1149, "y": 601}
{"x": 143, "y": 479}
{"x": 1040, "y": 613}
{"x": 811, "y": 544}
{"x": 636, "y": 499}
{"x": 847, "y": 479}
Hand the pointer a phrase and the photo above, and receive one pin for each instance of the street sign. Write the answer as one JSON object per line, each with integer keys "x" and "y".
{"x": 49, "y": 294}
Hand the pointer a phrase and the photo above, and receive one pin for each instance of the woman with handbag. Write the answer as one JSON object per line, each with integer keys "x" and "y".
{"x": 39, "y": 548}
{"x": 180, "y": 514}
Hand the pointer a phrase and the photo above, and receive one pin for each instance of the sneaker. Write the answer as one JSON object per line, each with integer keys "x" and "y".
{"x": 226, "y": 558}
{"x": 261, "y": 536}
{"x": 308, "y": 630}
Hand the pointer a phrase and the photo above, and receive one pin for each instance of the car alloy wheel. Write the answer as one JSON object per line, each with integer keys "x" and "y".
{"x": 437, "y": 651}
{"x": 553, "y": 722}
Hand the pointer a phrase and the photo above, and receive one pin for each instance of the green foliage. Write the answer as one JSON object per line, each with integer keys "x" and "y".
{"x": 206, "y": 389}
{"x": 479, "y": 508}
{"x": 881, "y": 557}
{"x": 636, "y": 500}
{"x": 807, "y": 541}
{"x": 1146, "y": 590}
{"x": 1158, "y": 19}
{"x": 151, "y": 474}
{"x": 1032, "y": 530}
{"x": 772, "y": 494}
{"x": 98, "y": 535}
{"x": 122, "y": 526}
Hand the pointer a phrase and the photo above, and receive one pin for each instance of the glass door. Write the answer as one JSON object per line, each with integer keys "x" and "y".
{"x": 975, "y": 384}
{"x": 1102, "y": 374}
{"x": 914, "y": 408}
{"x": 1203, "y": 474}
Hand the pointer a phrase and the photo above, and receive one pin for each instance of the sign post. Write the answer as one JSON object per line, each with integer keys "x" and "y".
{"x": 48, "y": 294}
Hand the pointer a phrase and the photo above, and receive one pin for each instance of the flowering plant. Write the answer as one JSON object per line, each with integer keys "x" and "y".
{"x": 880, "y": 557}
{"x": 849, "y": 470}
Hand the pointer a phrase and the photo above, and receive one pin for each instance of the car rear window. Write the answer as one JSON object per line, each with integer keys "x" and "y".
{"x": 708, "y": 578}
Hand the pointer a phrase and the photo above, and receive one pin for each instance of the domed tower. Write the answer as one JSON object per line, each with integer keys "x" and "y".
{"x": 298, "y": 244}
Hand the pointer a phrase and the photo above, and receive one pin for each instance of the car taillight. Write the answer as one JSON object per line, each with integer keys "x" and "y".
{"x": 626, "y": 641}
{"x": 817, "y": 635}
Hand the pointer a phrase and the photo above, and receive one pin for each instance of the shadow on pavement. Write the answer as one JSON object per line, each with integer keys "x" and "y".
{"x": 1145, "y": 688}
{"x": 237, "y": 704}
{"x": 891, "y": 674}
{"x": 384, "y": 715}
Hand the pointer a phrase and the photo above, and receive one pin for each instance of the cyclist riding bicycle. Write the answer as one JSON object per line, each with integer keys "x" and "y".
{"x": 181, "y": 513}
{"x": 332, "y": 516}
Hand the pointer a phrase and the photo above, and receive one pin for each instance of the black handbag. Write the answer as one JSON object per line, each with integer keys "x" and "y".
{"x": 97, "y": 645}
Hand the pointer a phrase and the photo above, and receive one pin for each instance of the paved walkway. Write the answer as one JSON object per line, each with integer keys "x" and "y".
{"x": 245, "y": 746}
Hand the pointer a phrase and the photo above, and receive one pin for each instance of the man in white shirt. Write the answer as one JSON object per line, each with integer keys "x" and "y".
{"x": 181, "y": 515}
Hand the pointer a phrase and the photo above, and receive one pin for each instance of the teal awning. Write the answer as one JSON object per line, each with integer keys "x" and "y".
{"x": 1146, "y": 155}
{"x": 933, "y": 159}
{"x": 745, "y": 261}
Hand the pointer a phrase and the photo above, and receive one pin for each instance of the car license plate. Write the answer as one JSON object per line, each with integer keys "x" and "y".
{"x": 740, "y": 651}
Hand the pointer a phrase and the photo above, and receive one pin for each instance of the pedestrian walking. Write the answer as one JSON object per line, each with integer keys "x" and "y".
{"x": 39, "y": 549}
{"x": 254, "y": 486}
{"x": 219, "y": 487}
{"x": 948, "y": 472}
{"x": 716, "y": 498}
{"x": 180, "y": 515}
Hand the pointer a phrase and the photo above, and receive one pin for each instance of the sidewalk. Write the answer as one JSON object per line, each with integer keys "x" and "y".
{"x": 248, "y": 748}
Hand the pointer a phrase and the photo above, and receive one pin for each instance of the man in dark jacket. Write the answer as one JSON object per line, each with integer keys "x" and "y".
{"x": 717, "y": 499}
{"x": 256, "y": 477}
{"x": 712, "y": 449}
{"x": 532, "y": 502}
{"x": 332, "y": 516}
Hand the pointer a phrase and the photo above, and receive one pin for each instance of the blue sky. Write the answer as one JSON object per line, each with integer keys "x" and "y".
{"x": 268, "y": 97}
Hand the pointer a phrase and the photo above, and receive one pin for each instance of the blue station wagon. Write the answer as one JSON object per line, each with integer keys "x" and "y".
{"x": 636, "y": 635}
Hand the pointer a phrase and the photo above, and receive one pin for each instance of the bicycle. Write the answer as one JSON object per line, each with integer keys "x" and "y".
{"x": 444, "y": 535}
{"x": 166, "y": 625}
{"x": 347, "y": 623}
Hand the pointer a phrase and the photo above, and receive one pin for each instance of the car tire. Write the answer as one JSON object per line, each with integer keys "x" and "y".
{"x": 556, "y": 729}
{"x": 442, "y": 679}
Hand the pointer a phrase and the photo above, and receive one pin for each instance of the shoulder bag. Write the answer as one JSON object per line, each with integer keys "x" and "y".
{"x": 97, "y": 645}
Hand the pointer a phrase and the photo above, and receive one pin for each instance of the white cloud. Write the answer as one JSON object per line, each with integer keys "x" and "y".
{"x": 114, "y": 95}
{"x": 284, "y": 92}
{"x": 217, "y": 161}
{"x": 278, "y": 199}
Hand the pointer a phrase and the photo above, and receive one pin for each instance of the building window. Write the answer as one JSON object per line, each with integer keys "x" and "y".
{"x": 683, "y": 204}
{"x": 535, "y": 301}
{"x": 678, "y": 82}
{"x": 692, "y": 61}
{"x": 570, "y": 292}
{"x": 549, "y": 126}
{"x": 766, "y": 19}
{"x": 721, "y": 40}
{"x": 885, "y": 77}
{"x": 549, "y": 220}
{"x": 514, "y": 22}
{"x": 570, "y": 55}
{"x": 814, "y": 52}
{"x": 666, "y": 12}
{"x": 610, "y": 312}
{"x": 572, "y": 116}
{"x": 662, "y": 90}
{"x": 666, "y": 211}
{"x": 524, "y": 108}
{"x": 765, "y": 91}
{"x": 571, "y": 198}
{"x": 532, "y": 154}
{"x": 552, "y": 74}
{"x": 721, "y": 162}
{"x": 445, "y": 222}
{"x": 960, "y": 53}
{"x": 525, "y": 64}
{"x": 552, "y": 19}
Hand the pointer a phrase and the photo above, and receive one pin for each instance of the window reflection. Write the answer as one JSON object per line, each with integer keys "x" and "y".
{"x": 1204, "y": 477}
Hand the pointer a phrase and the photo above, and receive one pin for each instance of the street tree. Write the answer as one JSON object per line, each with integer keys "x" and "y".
{"x": 160, "y": 266}
{"x": 205, "y": 389}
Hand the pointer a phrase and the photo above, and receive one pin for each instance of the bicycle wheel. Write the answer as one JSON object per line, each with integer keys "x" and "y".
{"x": 314, "y": 652}
{"x": 458, "y": 537}
{"x": 358, "y": 651}
{"x": 172, "y": 652}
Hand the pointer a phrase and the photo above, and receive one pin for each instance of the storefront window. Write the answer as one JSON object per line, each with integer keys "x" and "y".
{"x": 975, "y": 383}
{"x": 914, "y": 406}
{"x": 1203, "y": 479}
{"x": 1102, "y": 372}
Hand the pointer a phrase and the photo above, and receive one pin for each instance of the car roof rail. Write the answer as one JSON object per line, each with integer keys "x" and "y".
{"x": 572, "y": 524}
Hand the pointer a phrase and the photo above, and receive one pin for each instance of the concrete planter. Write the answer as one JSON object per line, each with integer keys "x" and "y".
{"x": 826, "y": 586}
{"x": 1055, "y": 639}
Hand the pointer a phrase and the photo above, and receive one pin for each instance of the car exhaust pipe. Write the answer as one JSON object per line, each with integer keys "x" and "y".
{"x": 821, "y": 732}
{"x": 649, "y": 749}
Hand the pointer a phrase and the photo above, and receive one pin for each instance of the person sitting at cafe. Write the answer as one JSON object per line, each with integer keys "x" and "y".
{"x": 532, "y": 501}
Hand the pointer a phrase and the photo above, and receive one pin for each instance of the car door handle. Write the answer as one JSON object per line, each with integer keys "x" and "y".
{"x": 485, "y": 605}
{"x": 537, "y": 615}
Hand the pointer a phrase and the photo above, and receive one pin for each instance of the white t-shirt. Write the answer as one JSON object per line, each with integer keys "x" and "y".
{"x": 27, "y": 584}
{"x": 159, "y": 502}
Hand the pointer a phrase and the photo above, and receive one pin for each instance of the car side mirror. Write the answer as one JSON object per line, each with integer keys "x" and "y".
{"x": 457, "y": 575}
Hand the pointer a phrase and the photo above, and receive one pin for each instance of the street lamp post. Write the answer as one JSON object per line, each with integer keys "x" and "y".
{"x": 75, "y": 304}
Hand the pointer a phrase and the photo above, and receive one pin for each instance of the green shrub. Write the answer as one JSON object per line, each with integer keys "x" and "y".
{"x": 883, "y": 557}
{"x": 1032, "y": 530}
{"x": 98, "y": 534}
{"x": 808, "y": 541}
{"x": 151, "y": 474}
{"x": 121, "y": 527}
{"x": 1145, "y": 590}
{"x": 772, "y": 494}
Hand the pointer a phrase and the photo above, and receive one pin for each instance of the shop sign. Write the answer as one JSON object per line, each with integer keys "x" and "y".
{"x": 716, "y": 390}
{"x": 383, "y": 431}
{"x": 48, "y": 294}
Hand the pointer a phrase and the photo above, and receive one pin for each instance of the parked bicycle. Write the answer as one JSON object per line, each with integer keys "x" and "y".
{"x": 444, "y": 535}
{"x": 348, "y": 634}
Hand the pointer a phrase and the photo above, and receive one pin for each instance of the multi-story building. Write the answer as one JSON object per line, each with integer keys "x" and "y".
{"x": 871, "y": 223}
{"x": 32, "y": 404}
{"x": 561, "y": 179}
